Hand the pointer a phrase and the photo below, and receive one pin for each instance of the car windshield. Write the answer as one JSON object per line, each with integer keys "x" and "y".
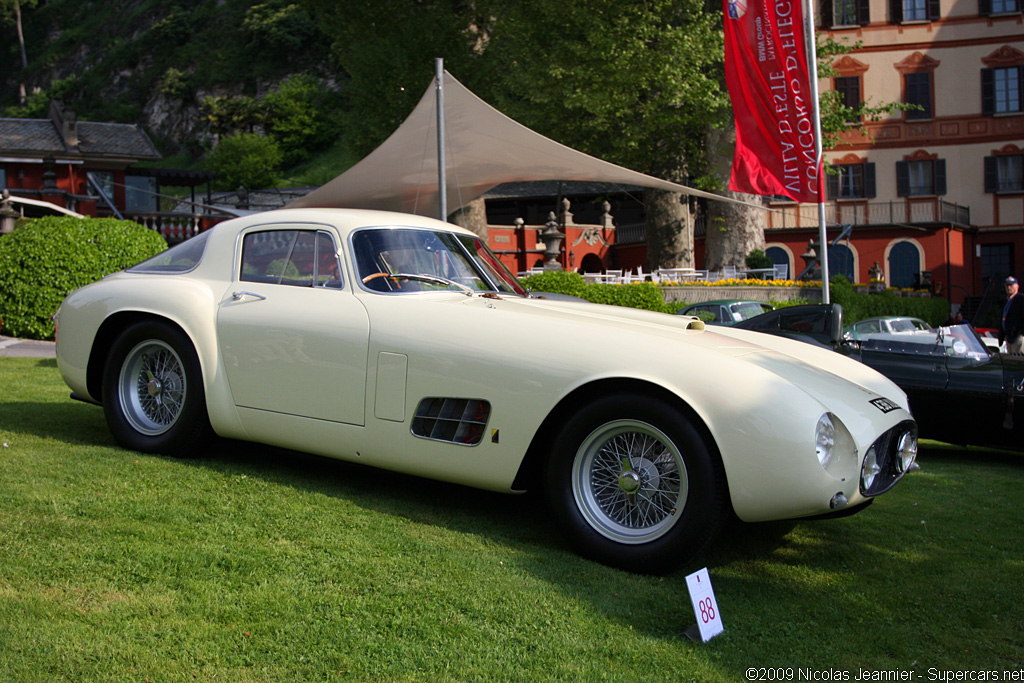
{"x": 954, "y": 341}
{"x": 747, "y": 310}
{"x": 404, "y": 260}
{"x": 902, "y": 325}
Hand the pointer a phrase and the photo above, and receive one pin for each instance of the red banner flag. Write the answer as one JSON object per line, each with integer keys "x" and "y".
{"x": 766, "y": 73}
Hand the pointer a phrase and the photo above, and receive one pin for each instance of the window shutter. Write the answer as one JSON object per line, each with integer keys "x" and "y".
{"x": 869, "y": 180}
{"x": 939, "y": 176}
{"x": 991, "y": 174}
{"x": 895, "y": 11}
{"x": 864, "y": 12}
{"x": 984, "y": 7}
{"x": 902, "y": 179}
{"x": 827, "y": 13}
{"x": 1020, "y": 88}
{"x": 832, "y": 180}
{"x": 933, "y": 10}
{"x": 988, "y": 92}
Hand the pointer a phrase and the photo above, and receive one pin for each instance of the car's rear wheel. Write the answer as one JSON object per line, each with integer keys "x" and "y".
{"x": 153, "y": 395}
{"x": 632, "y": 484}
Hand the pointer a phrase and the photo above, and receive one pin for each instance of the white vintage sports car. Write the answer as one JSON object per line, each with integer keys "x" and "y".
{"x": 401, "y": 342}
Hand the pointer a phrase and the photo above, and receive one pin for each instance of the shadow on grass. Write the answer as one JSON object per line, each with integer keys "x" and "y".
{"x": 766, "y": 568}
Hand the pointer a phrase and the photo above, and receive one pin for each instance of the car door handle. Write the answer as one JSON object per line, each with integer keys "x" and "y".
{"x": 237, "y": 296}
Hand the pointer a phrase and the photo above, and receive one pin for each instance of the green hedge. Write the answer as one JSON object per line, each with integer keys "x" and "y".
{"x": 645, "y": 295}
{"x": 933, "y": 310}
{"x": 648, "y": 296}
{"x": 47, "y": 259}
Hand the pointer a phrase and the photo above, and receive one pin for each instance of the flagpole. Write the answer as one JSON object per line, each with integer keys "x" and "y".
{"x": 812, "y": 67}
{"x": 442, "y": 183}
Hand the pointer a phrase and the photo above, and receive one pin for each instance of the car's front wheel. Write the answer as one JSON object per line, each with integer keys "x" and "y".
{"x": 153, "y": 396}
{"x": 632, "y": 484}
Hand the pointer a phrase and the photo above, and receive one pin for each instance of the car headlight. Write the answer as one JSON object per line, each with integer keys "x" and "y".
{"x": 825, "y": 440}
{"x": 870, "y": 469}
{"x": 906, "y": 450}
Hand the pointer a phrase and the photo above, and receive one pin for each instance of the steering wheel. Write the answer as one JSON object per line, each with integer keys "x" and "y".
{"x": 374, "y": 276}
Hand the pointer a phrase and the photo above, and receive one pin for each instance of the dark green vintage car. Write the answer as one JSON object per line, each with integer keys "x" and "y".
{"x": 960, "y": 390}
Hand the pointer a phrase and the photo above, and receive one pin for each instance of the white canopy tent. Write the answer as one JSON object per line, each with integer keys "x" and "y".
{"x": 483, "y": 148}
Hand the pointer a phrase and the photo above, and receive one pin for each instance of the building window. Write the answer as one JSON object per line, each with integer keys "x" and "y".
{"x": 105, "y": 181}
{"x": 1001, "y": 91}
{"x": 904, "y": 265}
{"x": 848, "y": 89}
{"x": 1004, "y": 173}
{"x": 3, "y": 178}
{"x": 987, "y": 7}
{"x": 919, "y": 93}
{"x": 913, "y": 10}
{"x": 996, "y": 262}
{"x": 852, "y": 181}
{"x": 845, "y": 13}
{"x": 920, "y": 177}
{"x": 840, "y": 261}
{"x": 140, "y": 194}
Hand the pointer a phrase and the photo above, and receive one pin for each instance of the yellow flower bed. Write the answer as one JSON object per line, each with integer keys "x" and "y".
{"x": 738, "y": 282}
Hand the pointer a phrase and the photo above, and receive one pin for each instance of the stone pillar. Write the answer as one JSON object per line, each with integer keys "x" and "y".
{"x": 552, "y": 238}
{"x": 7, "y": 214}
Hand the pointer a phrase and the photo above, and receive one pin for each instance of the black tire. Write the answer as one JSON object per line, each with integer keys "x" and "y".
{"x": 651, "y": 516}
{"x": 153, "y": 396}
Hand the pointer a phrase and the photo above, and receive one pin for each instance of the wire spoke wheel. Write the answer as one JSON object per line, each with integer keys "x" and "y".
{"x": 629, "y": 481}
{"x": 152, "y": 387}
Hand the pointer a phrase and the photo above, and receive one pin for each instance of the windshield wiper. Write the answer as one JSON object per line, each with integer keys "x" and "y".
{"x": 435, "y": 279}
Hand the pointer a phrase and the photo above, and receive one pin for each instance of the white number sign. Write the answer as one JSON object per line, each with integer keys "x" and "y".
{"x": 705, "y": 607}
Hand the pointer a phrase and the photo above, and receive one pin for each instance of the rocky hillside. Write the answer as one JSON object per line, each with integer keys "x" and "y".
{"x": 155, "y": 62}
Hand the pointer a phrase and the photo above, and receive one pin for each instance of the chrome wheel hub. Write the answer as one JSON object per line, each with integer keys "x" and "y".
{"x": 629, "y": 481}
{"x": 151, "y": 387}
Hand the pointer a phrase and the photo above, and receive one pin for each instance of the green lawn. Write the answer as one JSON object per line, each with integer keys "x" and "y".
{"x": 264, "y": 565}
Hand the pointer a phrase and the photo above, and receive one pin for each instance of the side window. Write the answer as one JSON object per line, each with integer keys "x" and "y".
{"x": 301, "y": 258}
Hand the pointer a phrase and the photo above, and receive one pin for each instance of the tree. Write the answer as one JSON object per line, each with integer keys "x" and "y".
{"x": 12, "y": 9}
{"x": 633, "y": 83}
{"x": 735, "y": 230}
{"x": 248, "y": 160}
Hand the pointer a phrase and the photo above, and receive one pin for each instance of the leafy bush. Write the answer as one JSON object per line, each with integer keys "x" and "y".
{"x": 297, "y": 116}
{"x": 644, "y": 295}
{"x": 47, "y": 259}
{"x": 758, "y": 259}
{"x": 933, "y": 310}
{"x": 247, "y": 159}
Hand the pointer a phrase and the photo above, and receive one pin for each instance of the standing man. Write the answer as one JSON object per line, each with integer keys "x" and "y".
{"x": 1012, "y": 329}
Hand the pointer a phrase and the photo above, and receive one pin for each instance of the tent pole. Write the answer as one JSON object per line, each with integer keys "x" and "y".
{"x": 442, "y": 183}
{"x": 812, "y": 68}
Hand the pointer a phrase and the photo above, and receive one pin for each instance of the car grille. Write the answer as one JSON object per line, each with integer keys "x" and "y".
{"x": 888, "y": 458}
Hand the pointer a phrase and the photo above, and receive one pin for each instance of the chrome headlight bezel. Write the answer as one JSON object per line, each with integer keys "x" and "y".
{"x": 888, "y": 459}
{"x": 825, "y": 440}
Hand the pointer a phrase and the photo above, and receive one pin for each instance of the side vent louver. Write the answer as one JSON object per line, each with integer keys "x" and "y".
{"x": 456, "y": 420}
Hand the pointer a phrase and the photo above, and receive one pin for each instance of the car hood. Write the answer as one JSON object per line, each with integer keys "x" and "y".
{"x": 818, "y": 371}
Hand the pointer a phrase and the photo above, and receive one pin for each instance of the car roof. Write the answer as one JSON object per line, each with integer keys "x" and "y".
{"x": 346, "y": 220}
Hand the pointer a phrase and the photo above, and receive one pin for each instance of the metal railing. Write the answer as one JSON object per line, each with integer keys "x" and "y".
{"x": 174, "y": 227}
{"x": 901, "y": 212}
